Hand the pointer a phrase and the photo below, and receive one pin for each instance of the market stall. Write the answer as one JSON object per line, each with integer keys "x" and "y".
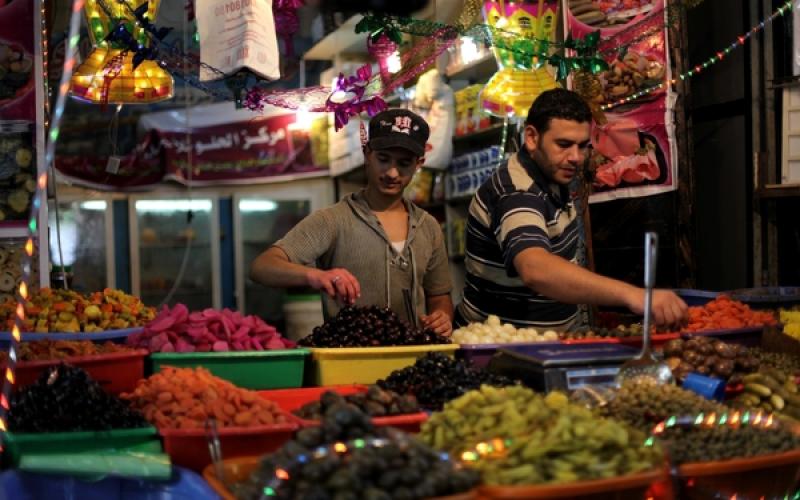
{"x": 143, "y": 359}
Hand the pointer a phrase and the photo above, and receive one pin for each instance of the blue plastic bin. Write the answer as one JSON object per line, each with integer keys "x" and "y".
{"x": 695, "y": 297}
{"x": 184, "y": 485}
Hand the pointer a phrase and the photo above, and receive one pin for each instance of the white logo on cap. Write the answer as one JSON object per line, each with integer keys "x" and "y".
{"x": 402, "y": 124}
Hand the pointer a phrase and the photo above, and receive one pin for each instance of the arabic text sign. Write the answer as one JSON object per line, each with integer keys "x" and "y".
{"x": 236, "y": 34}
{"x": 252, "y": 149}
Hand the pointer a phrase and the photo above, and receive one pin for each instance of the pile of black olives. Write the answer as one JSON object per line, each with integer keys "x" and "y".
{"x": 371, "y": 326}
{"x": 66, "y": 399}
{"x": 367, "y": 463}
{"x": 375, "y": 403}
{"x": 436, "y": 378}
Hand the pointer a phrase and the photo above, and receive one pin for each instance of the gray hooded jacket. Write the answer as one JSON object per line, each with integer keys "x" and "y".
{"x": 348, "y": 235}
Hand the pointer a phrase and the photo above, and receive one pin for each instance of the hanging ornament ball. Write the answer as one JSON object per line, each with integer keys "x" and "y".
{"x": 382, "y": 48}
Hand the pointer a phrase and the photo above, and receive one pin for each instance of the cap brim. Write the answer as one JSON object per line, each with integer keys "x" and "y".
{"x": 397, "y": 141}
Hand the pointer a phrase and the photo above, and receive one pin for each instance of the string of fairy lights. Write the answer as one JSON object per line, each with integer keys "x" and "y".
{"x": 700, "y": 67}
{"x": 33, "y": 226}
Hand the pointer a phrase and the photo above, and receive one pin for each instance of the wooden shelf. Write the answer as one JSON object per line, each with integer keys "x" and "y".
{"x": 480, "y": 69}
{"x": 771, "y": 191}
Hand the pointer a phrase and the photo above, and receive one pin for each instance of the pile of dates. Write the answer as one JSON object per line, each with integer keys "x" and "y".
{"x": 436, "y": 379}
{"x": 66, "y": 399}
{"x": 721, "y": 442}
{"x": 375, "y": 402}
{"x": 710, "y": 357}
{"x": 370, "y": 326}
{"x": 347, "y": 458}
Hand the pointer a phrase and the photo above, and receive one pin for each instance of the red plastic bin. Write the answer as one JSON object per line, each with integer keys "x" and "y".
{"x": 189, "y": 447}
{"x": 290, "y": 400}
{"x": 116, "y": 372}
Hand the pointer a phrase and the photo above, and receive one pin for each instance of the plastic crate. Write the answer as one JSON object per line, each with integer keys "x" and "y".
{"x": 239, "y": 469}
{"x": 183, "y": 485}
{"x": 189, "y": 447}
{"x": 366, "y": 365}
{"x": 629, "y": 487}
{"x": 480, "y": 354}
{"x": 290, "y": 400}
{"x": 766, "y": 476}
{"x": 19, "y": 443}
{"x": 116, "y": 372}
{"x": 276, "y": 369}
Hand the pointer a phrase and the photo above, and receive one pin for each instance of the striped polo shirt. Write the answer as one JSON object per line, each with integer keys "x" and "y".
{"x": 516, "y": 209}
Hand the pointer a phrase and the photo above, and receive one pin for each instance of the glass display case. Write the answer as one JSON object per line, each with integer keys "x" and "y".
{"x": 262, "y": 217}
{"x": 175, "y": 251}
{"x": 86, "y": 242}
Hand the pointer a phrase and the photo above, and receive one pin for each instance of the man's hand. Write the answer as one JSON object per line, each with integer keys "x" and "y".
{"x": 668, "y": 309}
{"x": 439, "y": 322}
{"x": 338, "y": 283}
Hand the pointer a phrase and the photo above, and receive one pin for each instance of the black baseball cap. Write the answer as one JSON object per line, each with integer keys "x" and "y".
{"x": 398, "y": 128}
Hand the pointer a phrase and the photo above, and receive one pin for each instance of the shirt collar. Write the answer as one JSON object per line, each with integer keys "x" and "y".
{"x": 560, "y": 199}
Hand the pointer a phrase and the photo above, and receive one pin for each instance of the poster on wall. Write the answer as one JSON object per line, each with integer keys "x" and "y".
{"x": 17, "y": 111}
{"x": 634, "y": 153}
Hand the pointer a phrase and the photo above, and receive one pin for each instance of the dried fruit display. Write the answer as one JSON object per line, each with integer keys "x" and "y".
{"x": 66, "y": 399}
{"x": 185, "y": 398}
{"x": 176, "y": 330}
{"x": 375, "y": 403}
{"x": 710, "y": 357}
{"x": 723, "y": 313}
{"x": 16, "y": 71}
{"x": 17, "y": 166}
{"x": 47, "y": 350}
{"x": 370, "y": 326}
{"x": 513, "y": 435}
{"x": 67, "y": 311}
{"x": 436, "y": 379}
{"x": 11, "y": 254}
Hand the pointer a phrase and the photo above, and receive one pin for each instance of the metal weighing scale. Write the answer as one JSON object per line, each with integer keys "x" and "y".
{"x": 565, "y": 367}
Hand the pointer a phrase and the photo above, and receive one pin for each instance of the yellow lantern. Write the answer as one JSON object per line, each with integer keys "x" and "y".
{"x": 107, "y": 75}
{"x": 512, "y": 90}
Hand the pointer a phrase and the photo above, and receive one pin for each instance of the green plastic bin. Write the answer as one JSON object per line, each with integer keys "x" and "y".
{"x": 143, "y": 439}
{"x": 258, "y": 370}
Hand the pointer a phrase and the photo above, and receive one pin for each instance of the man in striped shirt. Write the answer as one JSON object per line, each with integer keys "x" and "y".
{"x": 522, "y": 232}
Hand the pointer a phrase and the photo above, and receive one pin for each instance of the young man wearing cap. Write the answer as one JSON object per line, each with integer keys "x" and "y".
{"x": 371, "y": 246}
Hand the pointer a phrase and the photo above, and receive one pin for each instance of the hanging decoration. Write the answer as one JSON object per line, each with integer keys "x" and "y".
{"x": 33, "y": 229}
{"x": 240, "y": 35}
{"x": 348, "y": 97}
{"x": 286, "y": 22}
{"x": 521, "y": 77}
{"x": 717, "y": 57}
{"x": 120, "y": 69}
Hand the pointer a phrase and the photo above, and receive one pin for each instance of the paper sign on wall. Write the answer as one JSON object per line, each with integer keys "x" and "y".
{"x": 236, "y": 34}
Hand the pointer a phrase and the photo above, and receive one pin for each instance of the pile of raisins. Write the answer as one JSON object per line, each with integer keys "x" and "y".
{"x": 65, "y": 399}
{"x": 436, "y": 378}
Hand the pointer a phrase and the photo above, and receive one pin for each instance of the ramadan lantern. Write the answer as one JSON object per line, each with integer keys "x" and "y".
{"x": 117, "y": 71}
{"x": 521, "y": 30}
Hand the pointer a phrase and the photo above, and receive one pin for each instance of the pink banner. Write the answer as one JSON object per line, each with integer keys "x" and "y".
{"x": 634, "y": 153}
{"x": 259, "y": 150}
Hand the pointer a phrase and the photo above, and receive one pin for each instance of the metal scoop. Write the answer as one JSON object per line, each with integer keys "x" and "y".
{"x": 645, "y": 365}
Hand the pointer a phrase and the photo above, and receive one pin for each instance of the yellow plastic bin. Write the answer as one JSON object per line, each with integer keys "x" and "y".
{"x": 365, "y": 365}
